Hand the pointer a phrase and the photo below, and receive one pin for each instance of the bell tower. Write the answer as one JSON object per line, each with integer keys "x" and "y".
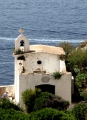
{"x": 22, "y": 42}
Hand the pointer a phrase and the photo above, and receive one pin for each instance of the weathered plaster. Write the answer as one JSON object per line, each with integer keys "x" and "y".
{"x": 26, "y": 43}
{"x": 62, "y": 85}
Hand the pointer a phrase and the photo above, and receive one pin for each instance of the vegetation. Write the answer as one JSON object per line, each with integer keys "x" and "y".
{"x": 16, "y": 52}
{"x": 77, "y": 59}
{"x": 68, "y": 48}
{"x": 84, "y": 94}
{"x": 80, "y": 111}
{"x": 11, "y": 114}
{"x": 35, "y": 100}
{"x": 76, "y": 62}
{"x": 6, "y": 104}
{"x": 44, "y": 114}
{"x": 50, "y": 114}
{"x": 28, "y": 98}
{"x": 49, "y": 100}
{"x": 57, "y": 75}
{"x": 10, "y": 111}
{"x": 62, "y": 57}
{"x": 81, "y": 82}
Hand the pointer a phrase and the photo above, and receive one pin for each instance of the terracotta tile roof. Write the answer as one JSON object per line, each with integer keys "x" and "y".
{"x": 47, "y": 49}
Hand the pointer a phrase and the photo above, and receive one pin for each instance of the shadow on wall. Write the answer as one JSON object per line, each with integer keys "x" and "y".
{"x": 46, "y": 88}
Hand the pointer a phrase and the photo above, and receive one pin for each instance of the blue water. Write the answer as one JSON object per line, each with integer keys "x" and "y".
{"x": 45, "y": 21}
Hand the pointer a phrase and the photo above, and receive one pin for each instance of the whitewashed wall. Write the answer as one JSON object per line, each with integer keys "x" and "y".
{"x": 50, "y": 62}
{"x": 62, "y": 86}
{"x": 26, "y": 43}
{"x": 62, "y": 66}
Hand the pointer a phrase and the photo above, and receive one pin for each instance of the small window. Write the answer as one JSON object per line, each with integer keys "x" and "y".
{"x": 39, "y": 62}
{"x": 21, "y": 43}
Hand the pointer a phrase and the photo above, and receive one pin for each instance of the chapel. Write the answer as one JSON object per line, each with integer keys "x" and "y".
{"x": 35, "y": 66}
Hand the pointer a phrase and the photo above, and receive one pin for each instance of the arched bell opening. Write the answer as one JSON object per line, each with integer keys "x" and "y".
{"x": 22, "y": 45}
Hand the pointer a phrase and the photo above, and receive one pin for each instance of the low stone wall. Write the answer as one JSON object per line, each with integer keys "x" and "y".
{"x": 9, "y": 88}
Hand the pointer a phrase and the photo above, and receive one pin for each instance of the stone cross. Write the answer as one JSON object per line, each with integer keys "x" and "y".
{"x": 21, "y": 31}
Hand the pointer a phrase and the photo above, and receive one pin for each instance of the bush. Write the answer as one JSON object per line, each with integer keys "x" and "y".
{"x": 78, "y": 58}
{"x": 57, "y": 75}
{"x": 28, "y": 98}
{"x": 45, "y": 114}
{"x": 84, "y": 94}
{"x": 81, "y": 83}
{"x": 68, "y": 47}
{"x": 11, "y": 114}
{"x": 16, "y": 52}
{"x": 79, "y": 111}
{"x": 36, "y": 100}
{"x": 50, "y": 114}
{"x": 46, "y": 99}
{"x": 6, "y": 104}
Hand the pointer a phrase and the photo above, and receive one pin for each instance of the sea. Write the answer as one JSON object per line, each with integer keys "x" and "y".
{"x": 46, "y": 22}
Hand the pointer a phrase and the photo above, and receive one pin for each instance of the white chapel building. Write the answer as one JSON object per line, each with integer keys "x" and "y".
{"x": 34, "y": 68}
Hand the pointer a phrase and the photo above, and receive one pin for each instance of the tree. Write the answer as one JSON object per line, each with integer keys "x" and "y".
{"x": 77, "y": 62}
{"x": 78, "y": 58}
{"x": 68, "y": 48}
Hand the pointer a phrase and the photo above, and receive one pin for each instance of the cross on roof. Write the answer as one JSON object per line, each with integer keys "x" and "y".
{"x": 21, "y": 31}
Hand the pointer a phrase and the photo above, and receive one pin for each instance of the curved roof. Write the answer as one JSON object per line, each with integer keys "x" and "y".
{"x": 47, "y": 49}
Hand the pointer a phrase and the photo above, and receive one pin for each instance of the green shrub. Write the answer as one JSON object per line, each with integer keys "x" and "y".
{"x": 78, "y": 58}
{"x": 81, "y": 83}
{"x": 79, "y": 111}
{"x": 84, "y": 94}
{"x": 28, "y": 98}
{"x": 16, "y": 52}
{"x": 11, "y": 114}
{"x": 57, "y": 75}
{"x": 45, "y": 114}
{"x": 46, "y": 99}
{"x": 6, "y": 104}
{"x": 50, "y": 114}
{"x": 36, "y": 100}
{"x": 67, "y": 47}
{"x": 40, "y": 101}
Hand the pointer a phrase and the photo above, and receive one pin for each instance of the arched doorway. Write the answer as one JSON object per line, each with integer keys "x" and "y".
{"x": 47, "y": 88}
